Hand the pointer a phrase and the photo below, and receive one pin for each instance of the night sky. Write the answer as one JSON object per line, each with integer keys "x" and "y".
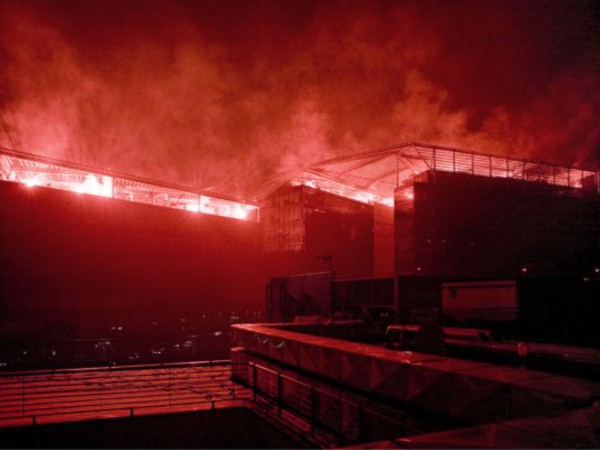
{"x": 224, "y": 94}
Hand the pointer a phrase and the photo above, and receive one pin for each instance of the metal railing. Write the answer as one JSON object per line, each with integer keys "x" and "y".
{"x": 461, "y": 161}
{"x": 81, "y": 394}
{"x": 316, "y": 410}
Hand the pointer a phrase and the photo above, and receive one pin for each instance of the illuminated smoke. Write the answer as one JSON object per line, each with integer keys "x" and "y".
{"x": 225, "y": 96}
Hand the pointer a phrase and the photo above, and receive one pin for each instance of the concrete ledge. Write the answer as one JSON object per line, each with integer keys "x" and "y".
{"x": 473, "y": 392}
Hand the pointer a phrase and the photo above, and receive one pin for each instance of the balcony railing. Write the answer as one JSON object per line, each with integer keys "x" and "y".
{"x": 326, "y": 416}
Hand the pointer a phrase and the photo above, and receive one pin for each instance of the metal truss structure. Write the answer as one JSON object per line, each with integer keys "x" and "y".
{"x": 368, "y": 177}
{"x": 32, "y": 170}
{"x": 372, "y": 176}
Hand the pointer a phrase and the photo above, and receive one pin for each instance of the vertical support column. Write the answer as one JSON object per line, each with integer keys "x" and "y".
{"x": 396, "y": 299}
{"x": 360, "y": 425}
{"x": 314, "y": 410}
{"x": 453, "y": 161}
{"x": 23, "y": 395}
{"x": 253, "y": 382}
{"x": 279, "y": 396}
{"x": 397, "y": 169}
{"x": 169, "y": 375}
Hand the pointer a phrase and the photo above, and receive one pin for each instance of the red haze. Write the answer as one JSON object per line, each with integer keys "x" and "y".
{"x": 225, "y": 94}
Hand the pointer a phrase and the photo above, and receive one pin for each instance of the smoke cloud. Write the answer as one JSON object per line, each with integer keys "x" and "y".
{"x": 223, "y": 95}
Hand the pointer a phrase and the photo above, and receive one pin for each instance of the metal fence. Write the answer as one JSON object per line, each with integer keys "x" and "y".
{"x": 80, "y": 394}
{"x": 319, "y": 410}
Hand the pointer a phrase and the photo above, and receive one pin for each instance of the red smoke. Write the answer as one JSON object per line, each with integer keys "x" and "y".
{"x": 225, "y": 95}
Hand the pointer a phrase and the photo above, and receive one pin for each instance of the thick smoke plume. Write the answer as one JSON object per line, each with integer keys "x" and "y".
{"x": 223, "y": 95}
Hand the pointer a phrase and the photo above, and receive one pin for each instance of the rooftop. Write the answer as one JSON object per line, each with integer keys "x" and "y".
{"x": 368, "y": 177}
{"x": 372, "y": 176}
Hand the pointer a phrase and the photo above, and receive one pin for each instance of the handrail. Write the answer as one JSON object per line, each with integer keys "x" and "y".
{"x": 347, "y": 427}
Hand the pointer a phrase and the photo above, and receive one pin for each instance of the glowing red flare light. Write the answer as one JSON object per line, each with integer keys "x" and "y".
{"x": 33, "y": 171}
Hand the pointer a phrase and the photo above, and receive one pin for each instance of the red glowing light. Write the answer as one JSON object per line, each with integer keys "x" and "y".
{"x": 30, "y": 172}
{"x": 193, "y": 207}
{"x": 230, "y": 209}
{"x": 240, "y": 212}
{"x": 97, "y": 185}
{"x": 522, "y": 349}
{"x": 31, "y": 182}
{"x": 341, "y": 189}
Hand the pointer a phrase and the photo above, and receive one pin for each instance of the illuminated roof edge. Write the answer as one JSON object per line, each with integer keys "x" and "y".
{"x": 134, "y": 178}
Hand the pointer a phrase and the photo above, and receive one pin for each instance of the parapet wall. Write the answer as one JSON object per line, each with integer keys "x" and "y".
{"x": 473, "y": 392}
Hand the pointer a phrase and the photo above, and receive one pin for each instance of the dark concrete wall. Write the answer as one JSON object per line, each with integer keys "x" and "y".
{"x": 228, "y": 428}
{"x": 74, "y": 264}
{"x": 477, "y": 227}
{"x": 306, "y": 229}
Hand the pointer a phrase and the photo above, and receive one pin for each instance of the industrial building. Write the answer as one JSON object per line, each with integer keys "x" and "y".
{"x": 407, "y": 210}
{"x": 106, "y": 268}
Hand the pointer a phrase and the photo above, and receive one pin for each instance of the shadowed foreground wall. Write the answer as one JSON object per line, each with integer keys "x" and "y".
{"x": 73, "y": 264}
{"x": 463, "y": 226}
{"x": 207, "y": 429}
